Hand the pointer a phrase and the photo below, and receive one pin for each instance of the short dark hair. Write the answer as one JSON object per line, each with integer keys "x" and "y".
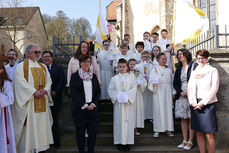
{"x": 139, "y": 43}
{"x": 84, "y": 57}
{"x": 122, "y": 61}
{"x": 47, "y": 51}
{"x": 78, "y": 51}
{"x": 106, "y": 40}
{"x": 147, "y": 32}
{"x": 126, "y": 35}
{"x": 164, "y": 30}
{"x": 155, "y": 33}
{"x": 186, "y": 53}
{"x": 203, "y": 52}
{"x": 13, "y": 51}
{"x": 130, "y": 60}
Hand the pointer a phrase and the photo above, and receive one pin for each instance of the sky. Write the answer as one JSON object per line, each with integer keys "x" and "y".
{"x": 72, "y": 8}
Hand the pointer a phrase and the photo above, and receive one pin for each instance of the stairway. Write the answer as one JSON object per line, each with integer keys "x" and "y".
{"x": 145, "y": 143}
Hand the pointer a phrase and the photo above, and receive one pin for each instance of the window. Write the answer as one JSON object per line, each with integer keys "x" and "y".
{"x": 209, "y": 7}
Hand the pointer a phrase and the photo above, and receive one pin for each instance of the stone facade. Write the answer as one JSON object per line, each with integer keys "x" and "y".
{"x": 29, "y": 29}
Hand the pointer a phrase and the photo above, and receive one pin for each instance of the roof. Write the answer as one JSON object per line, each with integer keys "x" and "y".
{"x": 111, "y": 10}
{"x": 22, "y": 15}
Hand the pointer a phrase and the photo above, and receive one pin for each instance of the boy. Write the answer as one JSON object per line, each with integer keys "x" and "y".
{"x": 147, "y": 44}
{"x": 139, "y": 106}
{"x": 122, "y": 90}
{"x": 105, "y": 59}
{"x": 144, "y": 68}
{"x": 166, "y": 46}
{"x": 139, "y": 47}
{"x": 154, "y": 38}
{"x": 123, "y": 54}
{"x": 12, "y": 65}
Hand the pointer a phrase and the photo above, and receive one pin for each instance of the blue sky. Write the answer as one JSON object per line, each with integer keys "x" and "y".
{"x": 72, "y": 8}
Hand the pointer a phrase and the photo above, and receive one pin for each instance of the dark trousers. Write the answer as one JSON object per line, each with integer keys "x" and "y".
{"x": 55, "y": 109}
{"x": 86, "y": 119}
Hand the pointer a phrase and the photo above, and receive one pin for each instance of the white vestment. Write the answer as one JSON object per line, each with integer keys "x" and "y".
{"x": 6, "y": 124}
{"x": 162, "y": 99}
{"x": 124, "y": 120}
{"x": 162, "y": 43}
{"x": 33, "y": 131}
{"x": 147, "y": 95}
{"x": 10, "y": 71}
{"x": 105, "y": 59}
{"x": 139, "y": 105}
{"x": 147, "y": 46}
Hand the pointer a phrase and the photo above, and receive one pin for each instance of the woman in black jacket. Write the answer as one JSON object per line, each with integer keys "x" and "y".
{"x": 85, "y": 92}
{"x": 182, "y": 108}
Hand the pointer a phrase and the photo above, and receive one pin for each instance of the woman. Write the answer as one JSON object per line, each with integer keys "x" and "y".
{"x": 202, "y": 88}
{"x": 73, "y": 64}
{"x": 7, "y": 139}
{"x": 182, "y": 109}
{"x": 155, "y": 51}
{"x": 85, "y": 92}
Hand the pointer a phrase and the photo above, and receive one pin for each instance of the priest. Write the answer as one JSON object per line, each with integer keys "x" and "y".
{"x": 31, "y": 110}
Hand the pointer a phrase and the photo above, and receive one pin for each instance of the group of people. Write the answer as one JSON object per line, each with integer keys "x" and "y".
{"x": 138, "y": 81}
{"x": 28, "y": 89}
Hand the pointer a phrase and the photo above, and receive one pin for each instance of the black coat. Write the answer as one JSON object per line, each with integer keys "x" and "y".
{"x": 77, "y": 90}
{"x": 177, "y": 80}
{"x": 58, "y": 78}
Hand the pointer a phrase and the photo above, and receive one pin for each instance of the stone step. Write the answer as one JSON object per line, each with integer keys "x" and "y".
{"x": 133, "y": 149}
{"x": 106, "y": 139}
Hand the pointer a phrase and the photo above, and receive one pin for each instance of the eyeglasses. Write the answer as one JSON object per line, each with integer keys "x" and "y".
{"x": 37, "y": 52}
{"x": 106, "y": 44}
{"x": 46, "y": 56}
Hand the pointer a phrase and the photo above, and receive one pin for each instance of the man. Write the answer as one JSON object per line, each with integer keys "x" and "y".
{"x": 166, "y": 46}
{"x": 31, "y": 110}
{"x": 12, "y": 65}
{"x": 58, "y": 81}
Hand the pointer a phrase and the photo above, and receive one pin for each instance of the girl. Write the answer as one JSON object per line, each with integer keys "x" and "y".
{"x": 7, "y": 140}
{"x": 139, "y": 106}
{"x": 122, "y": 90}
{"x": 160, "y": 82}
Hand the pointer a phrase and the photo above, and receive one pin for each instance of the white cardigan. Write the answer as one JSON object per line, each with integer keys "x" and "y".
{"x": 203, "y": 87}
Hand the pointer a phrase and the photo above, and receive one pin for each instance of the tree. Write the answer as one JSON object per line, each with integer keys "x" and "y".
{"x": 81, "y": 27}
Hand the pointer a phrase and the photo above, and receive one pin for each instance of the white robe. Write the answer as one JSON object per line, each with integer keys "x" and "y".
{"x": 37, "y": 133}
{"x": 124, "y": 120}
{"x": 162, "y": 43}
{"x": 147, "y": 46}
{"x": 147, "y": 95}
{"x": 6, "y": 100}
{"x": 106, "y": 71}
{"x": 11, "y": 71}
{"x": 139, "y": 105}
{"x": 162, "y": 99}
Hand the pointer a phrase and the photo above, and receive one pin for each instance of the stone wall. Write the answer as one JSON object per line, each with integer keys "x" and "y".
{"x": 220, "y": 60}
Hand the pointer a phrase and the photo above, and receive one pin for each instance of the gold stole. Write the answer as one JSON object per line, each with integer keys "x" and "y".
{"x": 39, "y": 83}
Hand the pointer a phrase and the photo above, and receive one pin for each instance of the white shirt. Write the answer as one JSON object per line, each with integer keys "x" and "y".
{"x": 11, "y": 70}
{"x": 88, "y": 91}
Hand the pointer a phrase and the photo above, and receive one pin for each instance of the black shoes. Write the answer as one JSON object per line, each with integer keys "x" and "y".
{"x": 123, "y": 147}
